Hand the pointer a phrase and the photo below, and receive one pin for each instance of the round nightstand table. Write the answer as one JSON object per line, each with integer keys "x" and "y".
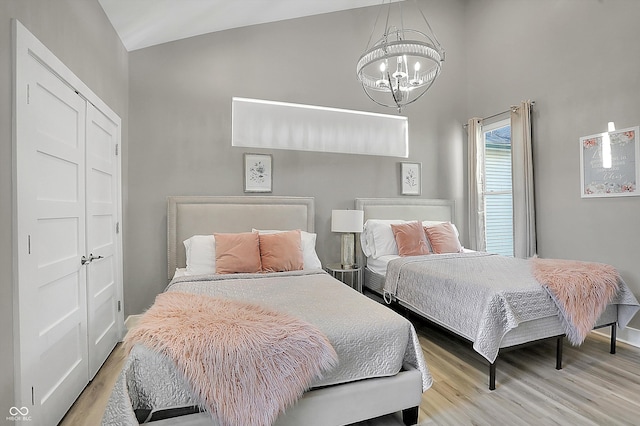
{"x": 351, "y": 277}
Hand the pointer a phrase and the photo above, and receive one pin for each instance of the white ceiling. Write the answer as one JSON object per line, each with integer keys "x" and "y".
{"x": 144, "y": 23}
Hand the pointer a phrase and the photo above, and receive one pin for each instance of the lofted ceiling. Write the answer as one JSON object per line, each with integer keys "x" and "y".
{"x": 144, "y": 23}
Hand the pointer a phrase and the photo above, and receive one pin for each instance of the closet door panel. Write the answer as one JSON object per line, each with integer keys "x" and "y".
{"x": 102, "y": 214}
{"x": 53, "y": 311}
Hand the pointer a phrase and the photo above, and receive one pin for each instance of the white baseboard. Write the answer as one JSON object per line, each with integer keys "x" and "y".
{"x": 628, "y": 335}
{"x": 131, "y": 321}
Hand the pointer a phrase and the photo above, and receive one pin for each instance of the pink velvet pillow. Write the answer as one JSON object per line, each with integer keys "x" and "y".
{"x": 443, "y": 238}
{"x": 410, "y": 239}
{"x": 237, "y": 253}
{"x": 281, "y": 251}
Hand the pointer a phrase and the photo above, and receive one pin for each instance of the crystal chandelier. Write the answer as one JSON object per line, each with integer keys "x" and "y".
{"x": 402, "y": 64}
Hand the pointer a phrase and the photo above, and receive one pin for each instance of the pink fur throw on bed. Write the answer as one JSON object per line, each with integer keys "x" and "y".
{"x": 245, "y": 364}
{"x": 581, "y": 290}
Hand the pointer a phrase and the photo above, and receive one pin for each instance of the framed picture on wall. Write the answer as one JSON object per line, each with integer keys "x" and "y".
{"x": 258, "y": 172}
{"x": 609, "y": 164}
{"x": 410, "y": 179}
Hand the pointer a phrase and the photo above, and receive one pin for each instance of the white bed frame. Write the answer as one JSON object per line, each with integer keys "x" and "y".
{"x": 333, "y": 405}
{"x": 444, "y": 210}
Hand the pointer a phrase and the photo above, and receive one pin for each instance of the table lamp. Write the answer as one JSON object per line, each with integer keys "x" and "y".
{"x": 348, "y": 222}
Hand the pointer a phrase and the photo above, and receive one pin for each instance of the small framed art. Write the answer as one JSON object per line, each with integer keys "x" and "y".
{"x": 410, "y": 180}
{"x": 258, "y": 172}
{"x": 609, "y": 164}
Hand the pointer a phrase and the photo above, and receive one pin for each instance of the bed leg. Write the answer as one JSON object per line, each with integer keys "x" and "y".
{"x": 559, "y": 352}
{"x": 613, "y": 338}
{"x": 492, "y": 375}
{"x": 410, "y": 416}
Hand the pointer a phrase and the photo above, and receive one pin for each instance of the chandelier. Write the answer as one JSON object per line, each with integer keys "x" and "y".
{"x": 402, "y": 64}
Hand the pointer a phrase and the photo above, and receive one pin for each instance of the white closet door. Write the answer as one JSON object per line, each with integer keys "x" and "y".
{"x": 51, "y": 218}
{"x": 102, "y": 217}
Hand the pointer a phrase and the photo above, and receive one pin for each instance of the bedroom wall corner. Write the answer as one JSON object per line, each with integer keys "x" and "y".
{"x": 82, "y": 37}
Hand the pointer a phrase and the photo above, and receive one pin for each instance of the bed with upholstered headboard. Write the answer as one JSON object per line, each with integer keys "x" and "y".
{"x": 492, "y": 301}
{"x": 343, "y": 395}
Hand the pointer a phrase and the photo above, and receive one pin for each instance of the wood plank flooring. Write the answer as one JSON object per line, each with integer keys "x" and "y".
{"x": 593, "y": 388}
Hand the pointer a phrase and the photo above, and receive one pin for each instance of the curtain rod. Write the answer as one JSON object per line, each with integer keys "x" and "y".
{"x": 513, "y": 108}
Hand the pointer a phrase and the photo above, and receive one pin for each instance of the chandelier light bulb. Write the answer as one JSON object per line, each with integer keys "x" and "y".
{"x": 382, "y": 83}
{"x": 399, "y": 74}
{"x": 416, "y": 75}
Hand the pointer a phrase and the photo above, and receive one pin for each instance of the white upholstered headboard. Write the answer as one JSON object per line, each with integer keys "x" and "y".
{"x": 202, "y": 215}
{"x": 407, "y": 209}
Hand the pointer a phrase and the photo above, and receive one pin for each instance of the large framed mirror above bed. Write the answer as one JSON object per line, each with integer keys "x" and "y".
{"x": 369, "y": 364}
{"x": 495, "y": 302}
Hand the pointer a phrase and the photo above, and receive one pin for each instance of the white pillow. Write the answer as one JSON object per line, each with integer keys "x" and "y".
{"x": 201, "y": 255}
{"x": 310, "y": 258}
{"x": 377, "y": 238}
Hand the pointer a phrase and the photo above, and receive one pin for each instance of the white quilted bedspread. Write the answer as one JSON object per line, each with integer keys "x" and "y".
{"x": 370, "y": 339}
{"x": 479, "y": 296}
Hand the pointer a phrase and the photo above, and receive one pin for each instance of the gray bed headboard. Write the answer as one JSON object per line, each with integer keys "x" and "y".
{"x": 407, "y": 209}
{"x": 202, "y": 215}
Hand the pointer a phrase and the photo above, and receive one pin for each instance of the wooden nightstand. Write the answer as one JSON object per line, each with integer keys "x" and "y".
{"x": 351, "y": 277}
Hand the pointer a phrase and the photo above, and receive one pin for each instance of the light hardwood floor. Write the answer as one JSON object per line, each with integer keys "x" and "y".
{"x": 593, "y": 388}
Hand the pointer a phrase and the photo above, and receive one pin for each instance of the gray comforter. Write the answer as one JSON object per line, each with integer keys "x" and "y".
{"x": 479, "y": 296}
{"x": 370, "y": 339}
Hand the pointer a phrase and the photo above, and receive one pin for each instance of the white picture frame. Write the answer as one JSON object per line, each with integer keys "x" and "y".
{"x": 258, "y": 172}
{"x": 410, "y": 178}
{"x": 609, "y": 164}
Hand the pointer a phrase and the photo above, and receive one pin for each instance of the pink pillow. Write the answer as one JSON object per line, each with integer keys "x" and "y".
{"x": 281, "y": 251}
{"x": 443, "y": 238}
{"x": 410, "y": 239}
{"x": 236, "y": 253}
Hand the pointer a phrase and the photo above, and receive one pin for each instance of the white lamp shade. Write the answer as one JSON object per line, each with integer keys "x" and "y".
{"x": 347, "y": 220}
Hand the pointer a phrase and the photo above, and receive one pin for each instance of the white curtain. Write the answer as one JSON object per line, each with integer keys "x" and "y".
{"x": 524, "y": 215}
{"x": 475, "y": 156}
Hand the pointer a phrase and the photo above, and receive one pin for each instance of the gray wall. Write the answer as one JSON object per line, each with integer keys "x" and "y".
{"x": 180, "y": 114}
{"x": 579, "y": 60}
{"x": 80, "y": 35}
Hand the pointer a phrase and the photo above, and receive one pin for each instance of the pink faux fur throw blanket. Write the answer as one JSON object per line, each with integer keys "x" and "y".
{"x": 246, "y": 364}
{"x": 581, "y": 290}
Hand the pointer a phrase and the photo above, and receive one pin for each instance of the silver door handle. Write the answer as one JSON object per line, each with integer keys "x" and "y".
{"x": 84, "y": 260}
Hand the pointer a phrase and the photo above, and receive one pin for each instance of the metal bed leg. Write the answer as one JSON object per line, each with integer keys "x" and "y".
{"x": 613, "y": 338}
{"x": 410, "y": 416}
{"x": 492, "y": 375}
{"x": 559, "y": 353}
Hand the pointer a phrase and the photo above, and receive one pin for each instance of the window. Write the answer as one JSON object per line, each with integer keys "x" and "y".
{"x": 498, "y": 194}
